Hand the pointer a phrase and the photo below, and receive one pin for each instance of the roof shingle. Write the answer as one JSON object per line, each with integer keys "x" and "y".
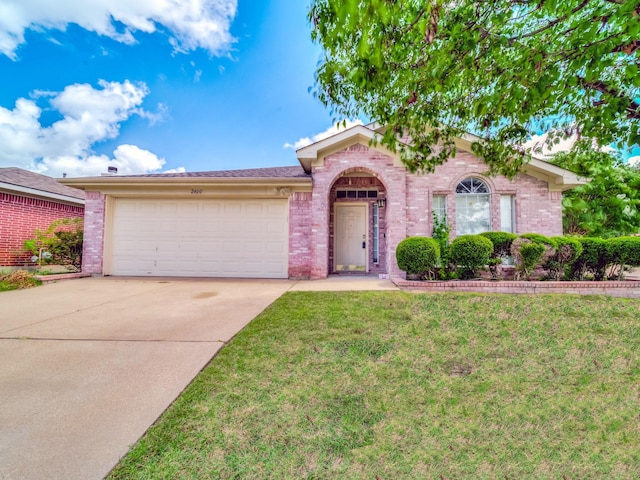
{"x": 269, "y": 172}
{"x": 35, "y": 181}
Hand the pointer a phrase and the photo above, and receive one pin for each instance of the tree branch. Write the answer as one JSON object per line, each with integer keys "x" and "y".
{"x": 629, "y": 48}
{"x": 422, "y": 11}
{"x": 552, "y": 23}
{"x": 633, "y": 109}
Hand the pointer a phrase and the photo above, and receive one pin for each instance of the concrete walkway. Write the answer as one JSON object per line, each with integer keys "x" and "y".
{"x": 87, "y": 365}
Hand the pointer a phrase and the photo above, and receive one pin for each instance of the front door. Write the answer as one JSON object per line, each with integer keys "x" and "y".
{"x": 351, "y": 237}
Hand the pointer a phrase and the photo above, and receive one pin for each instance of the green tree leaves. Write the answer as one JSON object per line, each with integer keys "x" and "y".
{"x": 432, "y": 70}
{"x": 609, "y": 205}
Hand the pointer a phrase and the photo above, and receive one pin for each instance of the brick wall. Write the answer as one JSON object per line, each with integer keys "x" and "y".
{"x": 20, "y": 217}
{"x": 300, "y": 235}
{"x": 92, "y": 251}
{"x": 357, "y": 158}
{"x": 407, "y": 211}
{"x": 536, "y": 210}
{"x": 409, "y": 198}
{"x": 361, "y": 183}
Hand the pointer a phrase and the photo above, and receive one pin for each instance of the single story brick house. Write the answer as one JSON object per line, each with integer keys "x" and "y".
{"x": 344, "y": 209}
{"x": 30, "y": 201}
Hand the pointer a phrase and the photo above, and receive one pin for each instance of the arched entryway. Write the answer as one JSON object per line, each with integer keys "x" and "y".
{"x": 357, "y": 224}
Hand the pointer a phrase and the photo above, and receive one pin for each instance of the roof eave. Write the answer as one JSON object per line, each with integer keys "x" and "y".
{"x": 359, "y": 134}
{"x": 41, "y": 194}
{"x": 96, "y": 183}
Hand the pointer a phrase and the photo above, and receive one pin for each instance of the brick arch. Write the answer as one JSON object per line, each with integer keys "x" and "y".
{"x": 480, "y": 176}
{"x": 369, "y": 171}
{"x": 354, "y": 160}
{"x": 359, "y": 179}
{"x": 494, "y": 199}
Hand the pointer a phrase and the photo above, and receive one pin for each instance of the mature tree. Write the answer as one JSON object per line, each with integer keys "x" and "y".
{"x": 609, "y": 205}
{"x": 501, "y": 69}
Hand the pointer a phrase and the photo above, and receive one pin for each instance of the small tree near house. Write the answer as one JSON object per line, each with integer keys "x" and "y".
{"x": 59, "y": 244}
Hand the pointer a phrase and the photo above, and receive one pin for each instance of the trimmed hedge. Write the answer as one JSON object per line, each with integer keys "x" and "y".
{"x": 530, "y": 255}
{"x": 501, "y": 242}
{"x": 470, "y": 253}
{"x": 623, "y": 251}
{"x": 556, "y": 258}
{"x": 418, "y": 256}
{"x": 568, "y": 249}
{"x": 594, "y": 259}
{"x": 523, "y": 267}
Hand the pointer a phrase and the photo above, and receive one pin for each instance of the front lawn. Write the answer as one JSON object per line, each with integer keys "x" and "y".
{"x": 388, "y": 385}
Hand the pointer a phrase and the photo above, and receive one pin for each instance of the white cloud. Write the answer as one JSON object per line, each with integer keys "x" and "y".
{"x": 89, "y": 115}
{"x": 175, "y": 170}
{"x": 634, "y": 160}
{"x": 539, "y": 146}
{"x": 304, "y": 141}
{"x": 191, "y": 24}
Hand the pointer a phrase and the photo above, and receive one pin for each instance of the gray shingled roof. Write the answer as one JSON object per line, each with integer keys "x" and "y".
{"x": 35, "y": 181}
{"x": 270, "y": 172}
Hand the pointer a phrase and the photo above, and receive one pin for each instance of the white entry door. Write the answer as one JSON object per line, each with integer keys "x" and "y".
{"x": 350, "y": 237}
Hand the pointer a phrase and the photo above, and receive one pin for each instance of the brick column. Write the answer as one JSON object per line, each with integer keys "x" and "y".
{"x": 93, "y": 247}
{"x": 300, "y": 215}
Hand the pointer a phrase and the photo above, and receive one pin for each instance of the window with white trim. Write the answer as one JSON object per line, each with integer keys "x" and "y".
{"x": 439, "y": 207}
{"x": 507, "y": 213}
{"x": 473, "y": 207}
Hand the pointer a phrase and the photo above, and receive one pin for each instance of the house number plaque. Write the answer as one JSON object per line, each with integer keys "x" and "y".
{"x": 196, "y": 191}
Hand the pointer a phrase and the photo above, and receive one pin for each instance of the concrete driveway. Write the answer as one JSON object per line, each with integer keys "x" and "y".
{"x": 86, "y": 366}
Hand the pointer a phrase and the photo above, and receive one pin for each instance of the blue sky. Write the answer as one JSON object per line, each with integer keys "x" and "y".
{"x": 179, "y": 95}
{"x": 151, "y": 86}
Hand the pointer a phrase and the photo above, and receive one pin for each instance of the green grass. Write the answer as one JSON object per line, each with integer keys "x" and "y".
{"x": 17, "y": 280}
{"x": 387, "y": 385}
{"x": 6, "y": 286}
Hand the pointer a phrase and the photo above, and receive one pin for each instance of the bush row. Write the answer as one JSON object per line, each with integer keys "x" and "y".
{"x": 534, "y": 255}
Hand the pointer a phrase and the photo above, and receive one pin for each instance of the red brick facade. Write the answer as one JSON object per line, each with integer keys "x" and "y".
{"x": 409, "y": 201}
{"x": 405, "y": 209}
{"x": 92, "y": 248}
{"x": 300, "y": 235}
{"x": 20, "y": 217}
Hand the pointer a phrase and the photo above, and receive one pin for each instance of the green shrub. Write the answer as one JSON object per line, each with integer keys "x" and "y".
{"x": 594, "y": 259}
{"x": 549, "y": 244}
{"x": 67, "y": 250}
{"x": 470, "y": 253}
{"x": 530, "y": 256}
{"x": 623, "y": 251}
{"x": 441, "y": 232}
{"x": 568, "y": 249}
{"x": 501, "y": 242}
{"x": 548, "y": 251}
{"x": 418, "y": 256}
{"x": 60, "y": 243}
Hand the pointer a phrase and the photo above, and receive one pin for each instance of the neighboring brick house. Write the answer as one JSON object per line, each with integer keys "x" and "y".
{"x": 343, "y": 211}
{"x": 30, "y": 201}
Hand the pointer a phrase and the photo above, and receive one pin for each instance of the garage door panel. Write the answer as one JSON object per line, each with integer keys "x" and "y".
{"x": 209, "y": 238}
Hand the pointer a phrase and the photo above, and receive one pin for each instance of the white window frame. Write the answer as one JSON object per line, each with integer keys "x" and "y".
{"x": 439, "y": 207}
{"x": 508, "y": 213}
{"x": 473, "y": 199}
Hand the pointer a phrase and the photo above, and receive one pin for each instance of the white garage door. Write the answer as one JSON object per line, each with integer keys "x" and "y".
{"x": 200, "y": 238}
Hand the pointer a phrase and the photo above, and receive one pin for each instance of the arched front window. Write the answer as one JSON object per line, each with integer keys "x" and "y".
{"x": 473, "y": 207}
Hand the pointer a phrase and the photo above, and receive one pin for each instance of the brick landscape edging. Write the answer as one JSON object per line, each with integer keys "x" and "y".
{"x": 60, "y": 276}
{"x": 627, "y": 289}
